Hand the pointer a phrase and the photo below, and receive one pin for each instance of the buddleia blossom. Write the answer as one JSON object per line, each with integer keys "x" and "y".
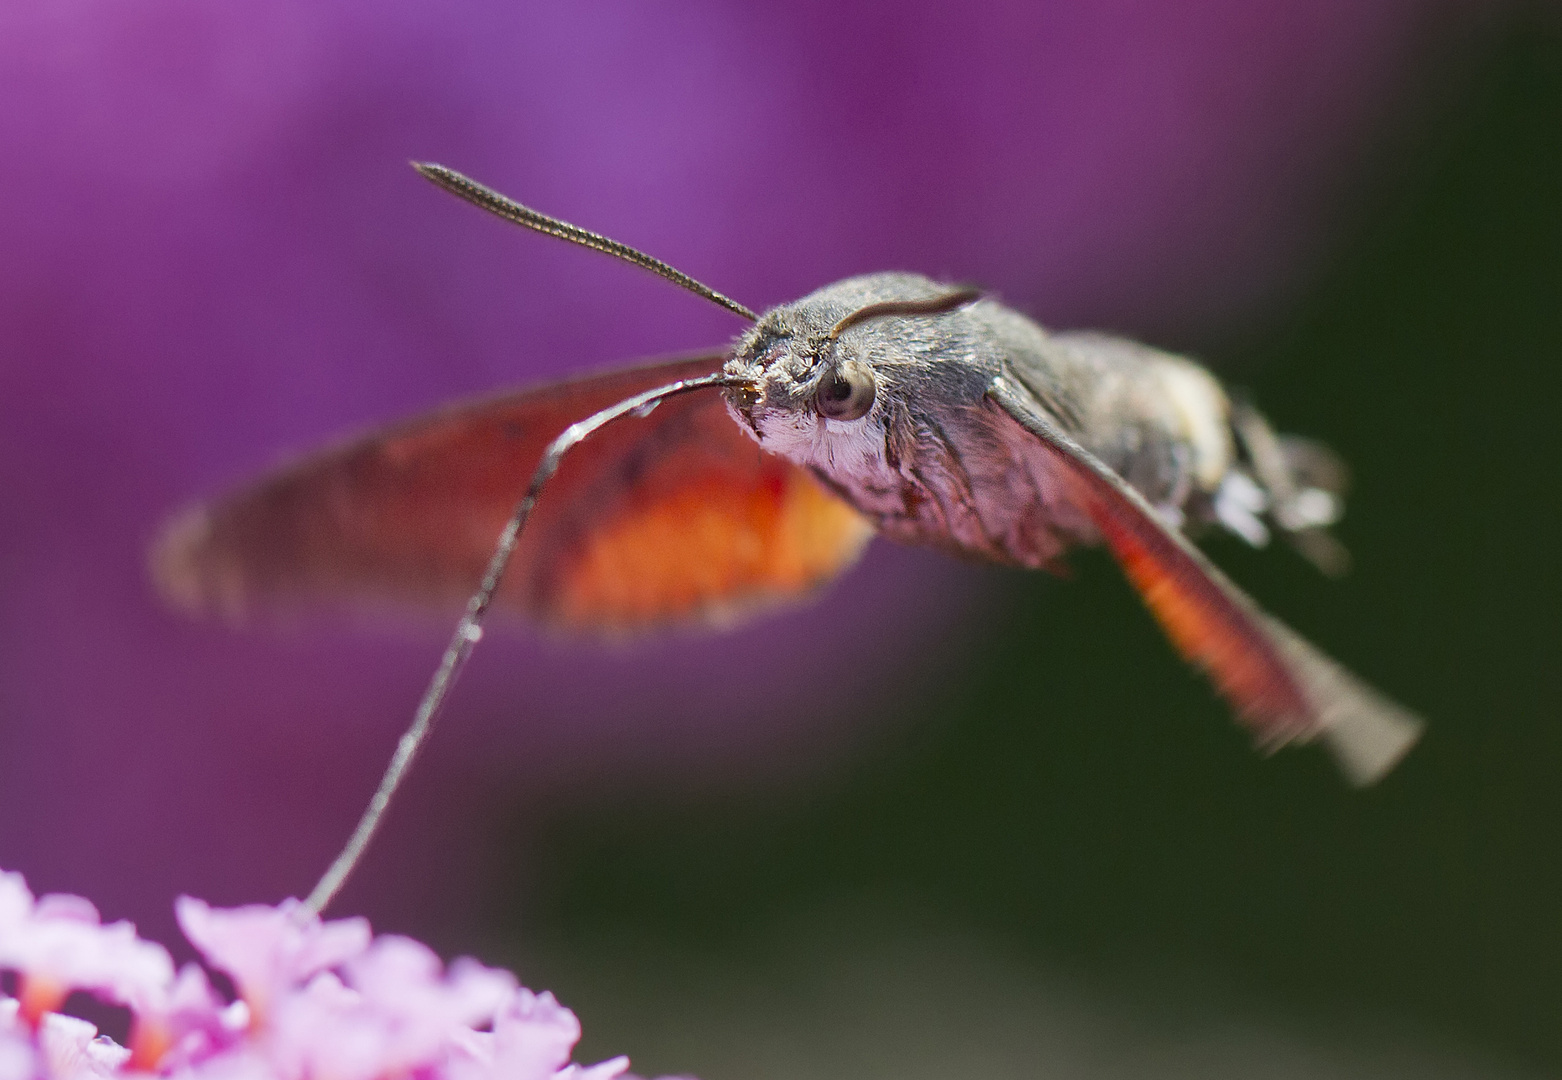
{"x": 316, "y": 1000}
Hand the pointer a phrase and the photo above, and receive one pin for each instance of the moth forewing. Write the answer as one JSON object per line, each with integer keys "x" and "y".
{"x": 673, "y": 517}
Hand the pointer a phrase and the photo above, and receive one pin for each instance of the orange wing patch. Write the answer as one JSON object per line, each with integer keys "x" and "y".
{"x": 712, "y": 546}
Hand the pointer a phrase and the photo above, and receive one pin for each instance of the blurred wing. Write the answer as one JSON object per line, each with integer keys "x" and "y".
{"x": 675, "y": 516}
{"x": 1282, "y": 687}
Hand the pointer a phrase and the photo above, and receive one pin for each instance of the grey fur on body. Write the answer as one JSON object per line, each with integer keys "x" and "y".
{"x": 931, "y": 465}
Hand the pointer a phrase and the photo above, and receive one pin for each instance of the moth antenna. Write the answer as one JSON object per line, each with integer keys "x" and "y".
{"x": 507, "y": 208}
{"x": 936, "y": 305}
{"x": 469, "y": 630}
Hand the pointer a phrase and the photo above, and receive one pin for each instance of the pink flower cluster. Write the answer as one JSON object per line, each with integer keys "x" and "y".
{"x": 316, "y": 1001}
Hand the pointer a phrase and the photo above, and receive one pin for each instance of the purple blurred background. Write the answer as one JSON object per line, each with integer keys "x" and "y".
{"x": 215, "y": 256}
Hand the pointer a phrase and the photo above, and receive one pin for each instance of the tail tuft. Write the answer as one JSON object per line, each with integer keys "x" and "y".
{"x": 1368, "y": 743}
{"x": 1365, "y": 731}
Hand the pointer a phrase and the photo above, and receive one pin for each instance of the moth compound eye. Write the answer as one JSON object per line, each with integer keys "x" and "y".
{"x": 846, "y": 392}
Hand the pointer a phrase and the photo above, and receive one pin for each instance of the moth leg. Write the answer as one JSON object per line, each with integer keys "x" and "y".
{"x": 1239, "y": 505}
{"x": 1305, "y": 487}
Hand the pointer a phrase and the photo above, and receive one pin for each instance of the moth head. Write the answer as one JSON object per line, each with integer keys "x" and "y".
{"x": 827, "y": 371}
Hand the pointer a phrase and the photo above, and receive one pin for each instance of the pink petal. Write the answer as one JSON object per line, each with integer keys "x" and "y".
{"x": 188, "y": 1024}
{"x": 18, "y": 1061}
{"x": 73, "y": 1050}
{"x": 405, "y": 977}
{"x": 324, "y": 1030}
{"x": 16, "y": 903}
{"x": 605, "y": 1070}
{"x": 243, "y": 1064}
{"x": 108, "y": 960}
{"x": 398, "y": 1013}
{"x": 533, "y": 1036}
{"x": 66, "y": 908}
{"x": 56, "y": 943}
{"x": 267, "y": 950}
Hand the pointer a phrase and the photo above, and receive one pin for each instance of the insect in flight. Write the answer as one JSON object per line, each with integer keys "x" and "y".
{"x": 887, "y": 403}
